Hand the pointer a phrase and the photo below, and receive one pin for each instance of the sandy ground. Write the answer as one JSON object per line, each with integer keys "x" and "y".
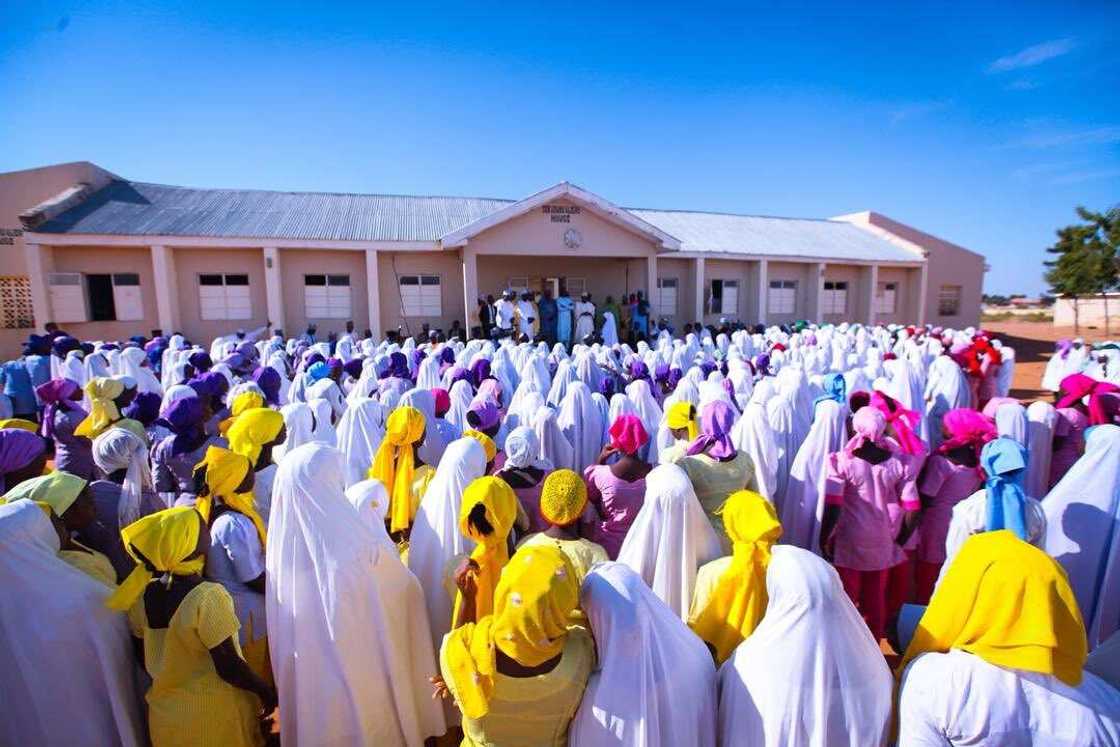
{"x": 1034, "y": 344}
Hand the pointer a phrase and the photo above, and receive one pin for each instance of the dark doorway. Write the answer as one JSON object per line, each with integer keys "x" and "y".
{"x": 100, "y": 291}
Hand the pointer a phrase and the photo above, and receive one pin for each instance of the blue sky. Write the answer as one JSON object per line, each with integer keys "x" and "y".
{"x": 982, "y": 125}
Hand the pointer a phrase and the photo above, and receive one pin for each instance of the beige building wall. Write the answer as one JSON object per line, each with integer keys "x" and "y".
{"x": 190, "y": 263}
{"x": 856, "y": 308}
{"x": 445, "y": 264}
{"x": 103, "y": 259}
{"x": 296, "y": 263}
{"x": 535, "y": 233}
{"x": 904, "y": 303}
{"x": 805, "y": 275}
{"x": 730, "y": 269}
{"x": 684, "y": 272}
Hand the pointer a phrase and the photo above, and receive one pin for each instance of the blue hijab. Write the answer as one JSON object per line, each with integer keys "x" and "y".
{"x": 835, "y": 388}
{"x": 1005, "y": 463}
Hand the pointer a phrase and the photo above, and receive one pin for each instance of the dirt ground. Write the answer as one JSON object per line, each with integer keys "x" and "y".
{"x": 1034, "y": 344}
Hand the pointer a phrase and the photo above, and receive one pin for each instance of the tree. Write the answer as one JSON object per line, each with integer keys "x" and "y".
{"x": 1086, "y": 261}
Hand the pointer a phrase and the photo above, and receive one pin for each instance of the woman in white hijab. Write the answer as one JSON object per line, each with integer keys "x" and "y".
{"x": 132, "y": 364}
{"x": 431, "y": 448}
{"x": 582, "y": 425}
{"x": 118, "y": 449}
{"x": 435, "y": 540}
{"x": 360, "y": 432}
{"x": 1041, "y": 420}
{"x": 946, "y": 389}
{"x": 347, "y": 632}
{"x": 66, "y": 661}
{"x": 371, "y": 500}
{"x": 752, "y": 434}
{"x": 810, "y": 675}
{"x": 779, "y": 411}
{"x": 803, "y": 506}
{"x": 655, "y": 683}
{"x": 1083, "y": 531}
{"x": 1011, "y": 421}
{"x": 555, "y": 446}
{"x": 670, "y": 538}
{"x": 610, "y": 329}
{"x": 650, "y": 414}
{"x": 299, "y": 423}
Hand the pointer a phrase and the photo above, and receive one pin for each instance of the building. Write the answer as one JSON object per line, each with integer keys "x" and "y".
{"x": 106, "y": 257}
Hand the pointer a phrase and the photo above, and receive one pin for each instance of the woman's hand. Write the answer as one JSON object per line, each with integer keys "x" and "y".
{"x": 607, "y": 452}
{"x": 466, "y": 578}
{"x": 440, "y": 691}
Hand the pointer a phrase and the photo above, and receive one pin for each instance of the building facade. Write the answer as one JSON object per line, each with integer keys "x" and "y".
{"x": 106, "y": 258}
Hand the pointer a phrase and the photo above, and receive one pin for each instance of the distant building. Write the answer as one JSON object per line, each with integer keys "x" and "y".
{"x": 106, "y": 257}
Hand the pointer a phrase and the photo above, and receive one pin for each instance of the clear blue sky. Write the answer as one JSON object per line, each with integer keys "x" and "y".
{"x": 983, "y": 125}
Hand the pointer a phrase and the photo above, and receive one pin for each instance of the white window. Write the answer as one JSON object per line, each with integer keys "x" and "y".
{"x": 326, "y": 297}
{"x": 68, "y": 297}
{"x": 724, "y": 297}
{"x": 834, "y": 297}
{"x": 949, "y": 300}
{"x": 127, "y": 301}
{"x": 519, "y": 285}
{"x": 782, "y": 298}
{"x": 576, "y": 286}
{"x": 224, "y": 297}
{"x": 666, "y": 302}
{"x": 886, "y": 298}
{"x": 16, "y": 309}
{"x": 421, "y": 295}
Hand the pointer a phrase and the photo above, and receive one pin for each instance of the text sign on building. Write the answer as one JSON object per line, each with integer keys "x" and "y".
{"x": 560, "y": 213}
{"x": 8, "y": 235}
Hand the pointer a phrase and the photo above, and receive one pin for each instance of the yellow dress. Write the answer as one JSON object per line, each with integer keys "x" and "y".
{"x": 188, "y": 703}
{"x": 582, "y": 552}
{"x": 91, "y": 563}
{"x": 714, "y": 481}
{"x": 421, "y": 478}
{"x": 534, "y": 711}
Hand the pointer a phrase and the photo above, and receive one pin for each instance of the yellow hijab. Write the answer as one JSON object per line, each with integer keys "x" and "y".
{"x": 241, "y": 404}
{"x": 487, "y": 443}
{"x": 165, "y": 539}
{"x": 1008, "y": 603}
{"x": 538, "y": 591}
{"x": 683, "y": 415}
{"x": 56, "y": 489}
{"x": 20, "y": 423}
{"x": 491, "y": 551}
{"x": 225, "y": 471}
{"x": 252, "y": 430}
{"x": 395, "y": 463}
{"x": 739, "y": 599}
{"x": 103, "y": 411}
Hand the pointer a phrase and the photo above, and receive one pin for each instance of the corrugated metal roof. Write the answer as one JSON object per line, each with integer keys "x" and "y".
{"x": 141, "y": 209}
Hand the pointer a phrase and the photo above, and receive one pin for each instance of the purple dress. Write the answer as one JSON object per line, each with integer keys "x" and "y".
{"x": 73, "y": 454}
{"x": 1070, "y": 428}
{"x": 173, "y": 474}
{"x": 616, "y": 503}
{"x": 946, "y": 483}
{"x": 104, "y": 535}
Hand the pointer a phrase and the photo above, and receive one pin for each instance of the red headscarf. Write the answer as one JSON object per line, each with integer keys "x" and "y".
{"x": 1078, "y": 386}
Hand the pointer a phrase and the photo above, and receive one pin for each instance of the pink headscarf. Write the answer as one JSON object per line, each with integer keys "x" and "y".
{"x": 1078, "y": 386}
{"x": 869, "y": 425}
{"x": 995, "y": 403}
{"x": 628, "y": 435}
{"x": 903, "y": 420}
{"x": 966, "y": 428}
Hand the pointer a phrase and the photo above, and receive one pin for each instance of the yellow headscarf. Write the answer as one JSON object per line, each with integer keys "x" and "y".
{"x": 103, "y": 411}
{"x": 253, "y": 430}
{"x": 538, "y": 591}
{"x": 683, "y": 415}
{"x": 165, "y": 540}
{"x": 20, "y": 423}
{"x": 395, "y": 463}
{"x": 56, "y": 489}
{"x": 739, "y": 599}
{"x": 1008, "y": 603}
{"x": 225, "y": 471}
{"x": 563, "y": 497}
{"x": 491, "y": 551}
{"x": 487, "y": 443}
{"x": 241, "y": 404}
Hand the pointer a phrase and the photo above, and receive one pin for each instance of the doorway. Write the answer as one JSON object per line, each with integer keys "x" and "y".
{"x": 99, "y": 290}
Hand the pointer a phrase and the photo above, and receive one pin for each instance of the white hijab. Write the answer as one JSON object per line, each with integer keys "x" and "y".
{"x": 371, "y": 500}
{"x": 670, "y": 538}
{"x": 582, "y": 424}
{"x": 117, "y": 449}
{"x": 346, "y": 622}
{"x": 1041, "y": 420}
{"x": 299, "y": 422}
{"x": 1011, "y": 421}
{"x": 66, "y": 661}
{"x": 810, "y": 675}
{"x": 431, "y": 448}
{"x": 460, "y": 394}
{"x": 803, "y": 506}
{"x": 132, "y": 364}
{"x": 359, "y": 433}
{"x": 655, "y": 683}
{"x": 650, "y": 414}
{"x": 752, "y": 434}
{"x": 554, "y": 445}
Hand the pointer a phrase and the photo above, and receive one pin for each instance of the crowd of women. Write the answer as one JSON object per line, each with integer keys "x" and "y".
{"x": 718, "y": 539}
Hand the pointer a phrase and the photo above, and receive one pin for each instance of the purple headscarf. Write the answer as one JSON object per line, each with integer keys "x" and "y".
{"x": 144, "y": 408}
{"x": 247, "y": 349}
{"x": 237, "y": 362}
{"x": 334, "y": 367}
{"x": 480, "y": 371}
{"x": 484, "y": 415}
{"x": 446, "y": 358}
{"x": 607, "y": 386}
{"x": 1064, "y": 346}
{"x": 184, "y": 418}
{"x": 398, "y": 366}
{"x": 18, "y": 448}
{"x": 55, "y": 395}
{"x": 63, "y": 345}
{"x": 353, "y": 368}
{"x": 459, "y": 373}
{"x": 268, "y": 379}
{"x": 638, "y": 370}
{"x": 209, "y": 384}
{"x": 707, "y": 367}
{"x": 200, "y": 360}
{"x": 716, "y": 421}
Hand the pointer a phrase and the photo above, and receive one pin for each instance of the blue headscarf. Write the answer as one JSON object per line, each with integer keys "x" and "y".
{"x": 317, "y": 370}
{"x": 1004, "y": 461}
{"x": 835, "y": 388}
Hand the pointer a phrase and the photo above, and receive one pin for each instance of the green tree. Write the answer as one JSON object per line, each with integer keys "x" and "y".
{"x": 1086, "y": 261}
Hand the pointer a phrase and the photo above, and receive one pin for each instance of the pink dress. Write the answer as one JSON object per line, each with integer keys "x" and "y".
{"x": 616, "y": 504}
{"x": 1070, "y": 428}
{"x": 530, "y": 499}
{"x": 872, "y": 498}
{"x": 946, "y": 483}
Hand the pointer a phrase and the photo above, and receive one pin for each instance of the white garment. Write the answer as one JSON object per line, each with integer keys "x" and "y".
{"x": 1011, "y": 421}
{"x": 582, "y": 425}
{"x": 347, "y": 632}
{"x": 958, "y": 698}
{"x": 262, "y": 490}
{"x": 132, "y": 364}
{"x": 526, "y": 313}
{"x": 66, "y": 660}
{"x": 655, "y": 683}
{"x": 1041, "y": 420}
{"x": 360, "y": 432}
{"x": 324, "y": 431}
{"x": 585, "y": 320}
{"x": 1083, "y": 531}
{"x": 650, "y": 414}
{"x": 970, "y": 517}
{"x": 431, "y": 448}
{"x": 803, "y": 505}
{"x": 299, "y": 422}
{"x": 752, "y": 434}
{"x": 235, "y": 557}
{"x": 609, "y": 331}
{"x": 946, "y": 389}
{"x": 435, "y": 538}
{"x": 119, "y": 448}
{"x": 371, "y": 500}
{"x": 554, "y": 445}
{"x": 503, "y": 314}
{"x": 670, "y": 538}
{"x": 810, "y": 675}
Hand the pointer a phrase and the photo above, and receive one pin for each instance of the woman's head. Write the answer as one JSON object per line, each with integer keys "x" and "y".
{"x": 563, "y": 497}
{"x": 67, "y": 495}
{"x": 23, "y": 455}
{"x": 681, "y": 421}
{"x": 628, "y": 435}
{"x": 488, "y": 510}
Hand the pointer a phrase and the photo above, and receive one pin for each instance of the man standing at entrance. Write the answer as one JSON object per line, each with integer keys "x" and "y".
{"x": 564, "y": 308}
{"x": 504, "y": 311}
{"x": 585, "y": 318}
{"x": 547, "y": 309}
{"x": 526, "y": 316}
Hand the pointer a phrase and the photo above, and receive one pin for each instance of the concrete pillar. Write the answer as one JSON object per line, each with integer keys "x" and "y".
{"x": 698, "y": 291}
{"x": 872, "y": 289}
{"x": 470, "y": 286}
{"x": 167, "y": 288}
{"x": 651, "y": 276}
{"x": 40, "y": 263}
{"x": 923, "y": 291}
{"x": 373, "y": 293}
{"x": 763, "y": 290}
{"x": 274, "y": 289}
{"x": 816, "y": 287}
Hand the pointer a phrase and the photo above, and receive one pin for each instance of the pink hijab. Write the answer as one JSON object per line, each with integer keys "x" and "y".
{"x": 903, "y": 420}
{"x": 1077, "y": 386}
{"x": 966, "y": 428}
{"x": 869, "y": 425}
